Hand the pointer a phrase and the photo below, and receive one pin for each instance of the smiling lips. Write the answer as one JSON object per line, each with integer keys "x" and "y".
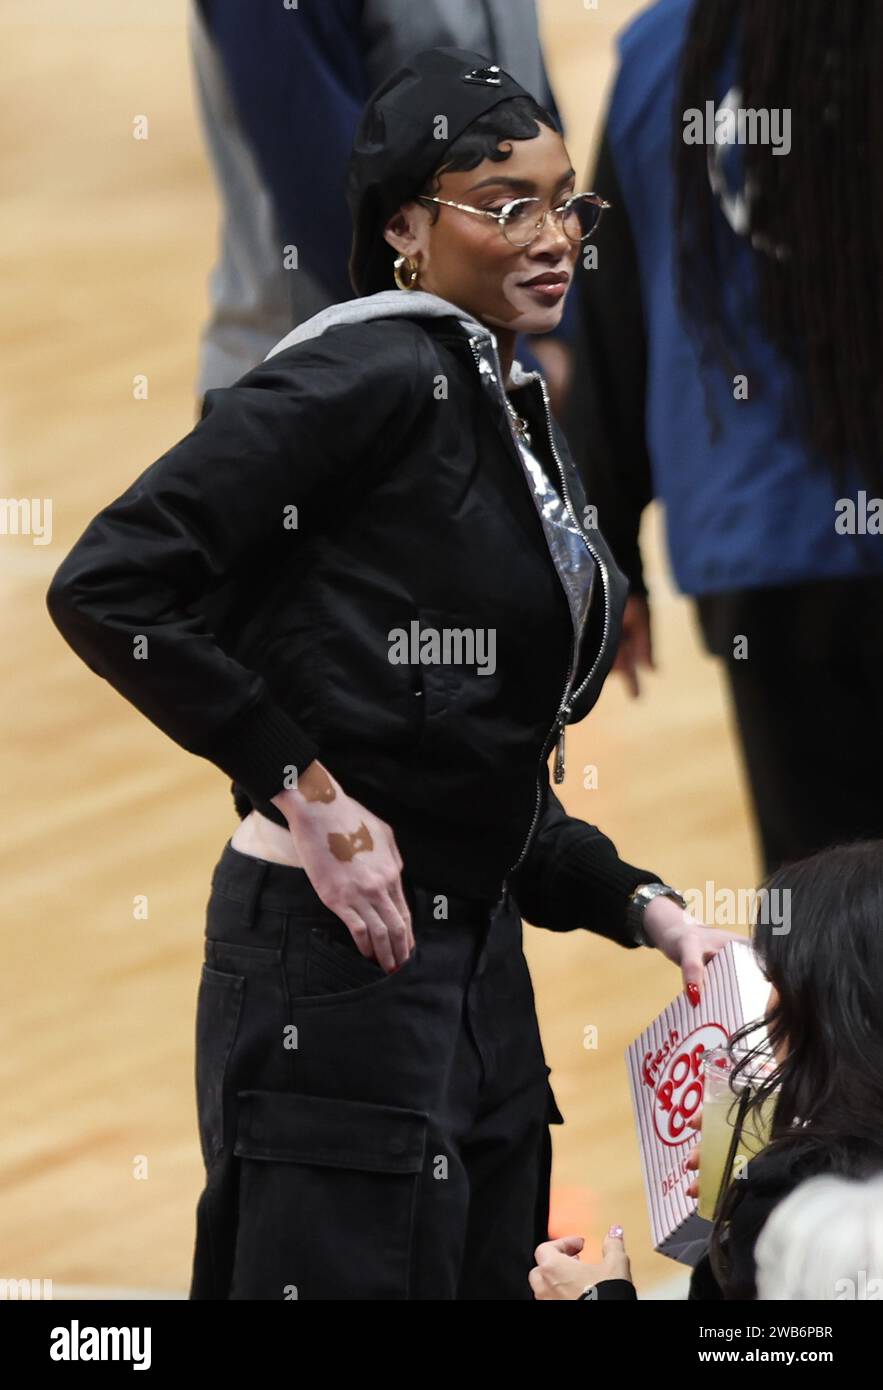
{"x": 549, "y": 277}
{"x": 548, "y": 287}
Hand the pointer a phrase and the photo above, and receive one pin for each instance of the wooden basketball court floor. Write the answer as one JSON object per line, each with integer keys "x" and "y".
{"x": 109, "y": 242}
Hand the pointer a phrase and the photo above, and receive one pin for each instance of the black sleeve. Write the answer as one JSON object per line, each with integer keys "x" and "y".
{"x": 604, "y": 417}
{"x": 622, "y": 1289}
{"x": 290, "y": 433}
{"x": 741, "y": 1237}
{"x": 573, "y": 877}
{"x": 704, "y": 1288}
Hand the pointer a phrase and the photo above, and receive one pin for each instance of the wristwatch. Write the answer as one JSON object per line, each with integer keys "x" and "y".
{"x": 638, "y": 900}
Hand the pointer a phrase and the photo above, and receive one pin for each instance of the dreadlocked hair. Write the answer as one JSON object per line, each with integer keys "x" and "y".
{"x": 821, "y": 302}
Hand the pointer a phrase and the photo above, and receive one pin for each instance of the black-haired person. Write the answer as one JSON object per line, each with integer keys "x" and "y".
{"x": 825, "y": 1032}
{"x": 730, "y": 366}
{"x": 367, "y": 592}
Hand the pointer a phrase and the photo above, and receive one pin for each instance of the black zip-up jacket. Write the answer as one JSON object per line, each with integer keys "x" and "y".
{"x": 243, "y": 592}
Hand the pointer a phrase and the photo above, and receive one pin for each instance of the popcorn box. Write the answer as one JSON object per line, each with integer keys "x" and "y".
{"x": 665, "y": 1075}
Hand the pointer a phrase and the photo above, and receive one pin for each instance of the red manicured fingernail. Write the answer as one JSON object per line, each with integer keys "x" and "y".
{"x": 693, "y": 995}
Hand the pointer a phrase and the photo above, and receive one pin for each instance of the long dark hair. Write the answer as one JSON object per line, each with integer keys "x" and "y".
{"x": 821, "y": 304}
{"x": 827, "y": 969}
{"x": 517, "y": 118}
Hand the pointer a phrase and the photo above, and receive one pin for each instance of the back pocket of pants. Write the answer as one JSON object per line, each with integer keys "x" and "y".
{"x": 328, "y": 1193}
{"x": 218, "y": 1006}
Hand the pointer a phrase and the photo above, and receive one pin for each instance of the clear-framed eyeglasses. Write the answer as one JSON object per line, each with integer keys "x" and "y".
{"x": 522, "y": 219}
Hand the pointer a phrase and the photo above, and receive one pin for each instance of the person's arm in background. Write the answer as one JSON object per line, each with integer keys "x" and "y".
{"x": 247, "y": 289}
{"x": 279, "y": 92}
{"x": 298, "y": 81}
{"x": 604, "y": 418}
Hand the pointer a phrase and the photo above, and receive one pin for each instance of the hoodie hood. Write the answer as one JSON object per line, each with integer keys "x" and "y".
{"x": 386, "y": 304}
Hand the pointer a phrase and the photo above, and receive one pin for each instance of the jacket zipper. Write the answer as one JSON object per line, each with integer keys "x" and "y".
{"x": 567, "y": 699}
{"x": 566, "y": 708}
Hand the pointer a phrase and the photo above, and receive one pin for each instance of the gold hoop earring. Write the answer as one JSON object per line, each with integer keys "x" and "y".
{"x": 413, "y": 271}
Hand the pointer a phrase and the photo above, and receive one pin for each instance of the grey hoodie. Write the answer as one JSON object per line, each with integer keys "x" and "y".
{"x": 385, "y": 304}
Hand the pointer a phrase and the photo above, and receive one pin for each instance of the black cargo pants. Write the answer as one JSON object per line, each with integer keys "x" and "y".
{"x": 366, "y": 1136}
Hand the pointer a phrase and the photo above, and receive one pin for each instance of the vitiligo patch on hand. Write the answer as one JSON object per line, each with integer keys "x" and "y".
{"x": 318, "y": 786}
{"x": 344, "y": 846}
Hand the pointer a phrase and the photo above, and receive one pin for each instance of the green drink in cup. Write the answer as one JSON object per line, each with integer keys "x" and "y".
{"x": 730, "y": 1134}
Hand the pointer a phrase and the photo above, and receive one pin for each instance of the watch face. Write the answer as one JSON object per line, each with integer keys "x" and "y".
{"x": 656, "y": 890}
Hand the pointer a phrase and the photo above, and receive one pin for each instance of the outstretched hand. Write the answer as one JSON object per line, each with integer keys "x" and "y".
{"x": 685, "y": 941}
{"x": 560, "y": 1273}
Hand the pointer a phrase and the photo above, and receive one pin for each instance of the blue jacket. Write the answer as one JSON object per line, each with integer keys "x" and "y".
{"x": 751, "y": 508}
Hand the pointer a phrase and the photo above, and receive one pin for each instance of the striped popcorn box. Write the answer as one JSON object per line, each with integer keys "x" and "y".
{"x": 665, "y": 1075}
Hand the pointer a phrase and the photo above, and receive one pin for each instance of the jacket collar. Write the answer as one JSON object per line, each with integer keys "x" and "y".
{"x": 390, "y": 304}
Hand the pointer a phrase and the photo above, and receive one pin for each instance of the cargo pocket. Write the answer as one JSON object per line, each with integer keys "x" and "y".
{"x": 218, "y": 1006}
{"x": 328, "y": 1193}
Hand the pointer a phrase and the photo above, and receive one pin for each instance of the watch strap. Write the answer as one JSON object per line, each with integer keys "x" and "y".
{"x": 638, "y": 900}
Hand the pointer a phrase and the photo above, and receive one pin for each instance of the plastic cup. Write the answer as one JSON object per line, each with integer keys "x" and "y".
{"x": 729, "y": 1139}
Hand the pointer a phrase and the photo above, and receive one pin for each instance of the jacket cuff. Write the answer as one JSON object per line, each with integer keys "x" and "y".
{"x": 582, "y": 876}
{"x": 610, "y": 1289}
{"x": 259, "y": 749}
